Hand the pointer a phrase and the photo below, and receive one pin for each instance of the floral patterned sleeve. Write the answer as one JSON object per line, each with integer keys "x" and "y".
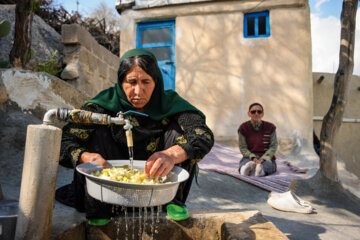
{"x": 197, "y": 139}
{"x": 75, "y": 137}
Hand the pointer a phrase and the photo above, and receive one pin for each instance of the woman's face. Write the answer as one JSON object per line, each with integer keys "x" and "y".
{"x": 138, "y": 87}
{"x": 256, "y": 113}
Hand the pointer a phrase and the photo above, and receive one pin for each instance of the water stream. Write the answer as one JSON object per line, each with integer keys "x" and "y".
{"x": 140, "y": 223}
{"x": 142, "y": 219}
{"x": 131, "y": 158}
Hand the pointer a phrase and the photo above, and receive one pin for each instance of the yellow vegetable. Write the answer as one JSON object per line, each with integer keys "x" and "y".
{"x": 124, "y": 174}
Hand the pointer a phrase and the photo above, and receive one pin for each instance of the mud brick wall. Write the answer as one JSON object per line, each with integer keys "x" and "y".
{"x": 89, "y": 66}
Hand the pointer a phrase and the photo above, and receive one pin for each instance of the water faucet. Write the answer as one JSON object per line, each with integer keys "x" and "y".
{"x": 82, "y": 116}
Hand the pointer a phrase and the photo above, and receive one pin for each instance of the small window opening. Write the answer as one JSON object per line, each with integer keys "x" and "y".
{"x": 256, "y": 24}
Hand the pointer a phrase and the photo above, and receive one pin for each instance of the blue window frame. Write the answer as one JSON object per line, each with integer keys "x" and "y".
{"x": 159, "y": 38}
{"x": 256, "y": 24}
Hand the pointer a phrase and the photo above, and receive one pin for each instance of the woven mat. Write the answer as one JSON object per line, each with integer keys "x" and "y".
{"x": 224, "y": 160}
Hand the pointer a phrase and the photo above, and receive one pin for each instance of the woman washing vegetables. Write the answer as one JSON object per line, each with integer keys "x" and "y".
{"x": 169, "y": 132}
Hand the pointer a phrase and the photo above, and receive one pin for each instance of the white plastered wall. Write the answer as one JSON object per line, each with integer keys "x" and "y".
{"x": 221, "y": 72}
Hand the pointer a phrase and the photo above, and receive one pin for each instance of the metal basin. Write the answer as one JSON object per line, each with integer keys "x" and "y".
{"x": 131, "y": 194}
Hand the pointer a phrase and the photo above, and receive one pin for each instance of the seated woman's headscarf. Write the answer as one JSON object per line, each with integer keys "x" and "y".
{"x": 163, "y": 103}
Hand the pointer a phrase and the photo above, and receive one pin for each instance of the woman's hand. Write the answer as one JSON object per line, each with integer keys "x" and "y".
{"x": 93, "y": 157}
{"x": 161, "y": 163}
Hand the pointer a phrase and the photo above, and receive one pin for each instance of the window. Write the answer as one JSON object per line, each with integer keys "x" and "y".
{"x": 256, "y": 24}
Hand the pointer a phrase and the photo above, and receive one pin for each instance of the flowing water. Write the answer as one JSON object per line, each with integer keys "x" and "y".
{"x": 145, "y": 217}
{"x": 157, "y": 219}
{"x": 140, "y": 223}
{"x": 131, "y": 158}
{"x": 133, "y": 223}
{"x": 116, "y": 220}
{"x": 152, "y": 223}
{"x": 145, "y": 220}
{"x": 126, "y": 223}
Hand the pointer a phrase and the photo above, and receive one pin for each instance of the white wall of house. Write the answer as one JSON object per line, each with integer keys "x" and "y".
{"x": 221, "y": 72}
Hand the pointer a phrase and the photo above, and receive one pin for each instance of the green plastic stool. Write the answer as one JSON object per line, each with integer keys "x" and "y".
{"x": 98, "y": 221}
{"x": 177, "y": 212}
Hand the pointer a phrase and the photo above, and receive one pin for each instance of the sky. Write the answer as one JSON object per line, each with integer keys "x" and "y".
{"x": 325, "y": 30}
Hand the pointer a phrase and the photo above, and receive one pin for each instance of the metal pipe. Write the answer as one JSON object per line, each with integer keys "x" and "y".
{"x": 49, "y": 117}
{"x": 348, "y": 120}
{"x": 82, "y": 116}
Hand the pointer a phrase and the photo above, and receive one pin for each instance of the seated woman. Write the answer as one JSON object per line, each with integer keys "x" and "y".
{"x": 170, "y": 132}
{"x": 257, "y": 143}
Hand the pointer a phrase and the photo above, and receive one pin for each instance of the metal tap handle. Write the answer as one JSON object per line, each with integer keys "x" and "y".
{"x": 82, "y": 116}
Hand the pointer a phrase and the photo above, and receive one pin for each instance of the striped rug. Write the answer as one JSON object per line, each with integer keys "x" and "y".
{"x": 224, "y": 160}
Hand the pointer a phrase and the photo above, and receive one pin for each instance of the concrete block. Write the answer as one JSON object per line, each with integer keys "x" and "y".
{"x": 98, "y": 64}
{"x": 71, "y": 48}
{"x": 112, "y": 75}
{"x": 95, "y": 47}
{"x": 69, "y": 33}
{"x": 105, "y": 54}
{"x": 85, "y": 56}
{"x": 69, "y": 94}
{"x": 71, "y": 58}
{"x": 103, "y": 69}
{"x": 88, "y": 41}
{"x": 75, "y": 34}
{"x": 85, "y": 83}
{"x": 92, "y": 64}
{"x": 111, "y": 59}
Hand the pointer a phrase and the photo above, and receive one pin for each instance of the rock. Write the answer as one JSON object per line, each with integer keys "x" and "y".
{"x": 38, "y": 92}
{"x": 71, "y": 71}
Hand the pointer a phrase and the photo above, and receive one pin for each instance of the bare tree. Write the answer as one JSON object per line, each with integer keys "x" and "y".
{"x": 333, "y": 118}
{"x": 325, "y": 183}
{"x": 109, "y": 15}
{"x": 21, "y": 51}
{"x": 103, "y": 25}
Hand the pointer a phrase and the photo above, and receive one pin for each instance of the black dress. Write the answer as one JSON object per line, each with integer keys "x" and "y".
{"x": 186, "y": 129}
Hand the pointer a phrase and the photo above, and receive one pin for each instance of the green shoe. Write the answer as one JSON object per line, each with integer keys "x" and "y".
{"x": 98, "y": 221}
{"x": 177, "y": 212}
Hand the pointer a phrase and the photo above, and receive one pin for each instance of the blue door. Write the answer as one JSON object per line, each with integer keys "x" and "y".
{"x": 159, "y": 38}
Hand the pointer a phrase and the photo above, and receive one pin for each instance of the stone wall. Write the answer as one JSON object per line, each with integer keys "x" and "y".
{"x": 348, "y": 138}
{"x": 90, "y": 67}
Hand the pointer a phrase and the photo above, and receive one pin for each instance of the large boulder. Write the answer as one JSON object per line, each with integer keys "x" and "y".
{"x": 37, "y": 92}
{"x": 24, "y": 98}
{"x": 45, "y": 40}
